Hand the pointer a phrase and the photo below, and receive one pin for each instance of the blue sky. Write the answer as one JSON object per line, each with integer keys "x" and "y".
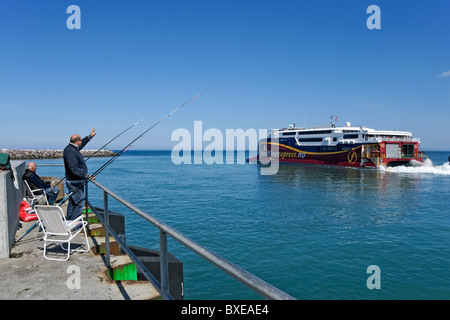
{"x": 258, "y": 64}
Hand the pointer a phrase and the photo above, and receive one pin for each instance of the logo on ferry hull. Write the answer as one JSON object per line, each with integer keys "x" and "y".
{"x": 352, "y": 157}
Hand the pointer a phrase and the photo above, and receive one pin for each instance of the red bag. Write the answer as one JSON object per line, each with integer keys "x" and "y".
{"x": 25, "y": 212}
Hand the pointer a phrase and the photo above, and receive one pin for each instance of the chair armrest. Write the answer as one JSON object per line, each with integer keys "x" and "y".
{"x": 72, "y": 225}
{"x": 36, "y": 190}
{"x": 74, "y": 222}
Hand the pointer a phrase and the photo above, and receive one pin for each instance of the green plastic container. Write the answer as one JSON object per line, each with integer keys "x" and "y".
{"x": 125, "y": 272}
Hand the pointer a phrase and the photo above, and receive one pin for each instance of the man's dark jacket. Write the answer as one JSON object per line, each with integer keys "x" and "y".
{"x": 74, "y": 163}
{"x": 34, "y": 181}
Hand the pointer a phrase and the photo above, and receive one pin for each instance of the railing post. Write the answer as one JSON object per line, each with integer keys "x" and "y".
{"x": 86, "y": 202}
{"x": 106, "y": 219}
{"x": 164, "y": 265}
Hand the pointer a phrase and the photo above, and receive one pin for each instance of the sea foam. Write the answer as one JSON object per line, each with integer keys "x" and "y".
{"x": 426, "y": 167}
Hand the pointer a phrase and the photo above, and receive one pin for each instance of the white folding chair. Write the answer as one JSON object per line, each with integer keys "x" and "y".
{"x": 57, "y": 229}
{"x": 35, "y": 195}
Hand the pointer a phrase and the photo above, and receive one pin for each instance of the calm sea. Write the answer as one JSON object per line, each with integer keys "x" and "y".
{"x": 310, "y": 231}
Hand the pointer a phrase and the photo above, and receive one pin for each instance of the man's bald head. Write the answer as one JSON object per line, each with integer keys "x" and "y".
{"x": 74, "y": 138}
{"x": 31, "y": 166}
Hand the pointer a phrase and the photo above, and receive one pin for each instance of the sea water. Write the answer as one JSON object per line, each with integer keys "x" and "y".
{"x": 310, "y": 231}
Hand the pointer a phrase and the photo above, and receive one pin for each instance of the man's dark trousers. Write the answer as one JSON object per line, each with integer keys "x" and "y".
{"x": 76, "y": 200}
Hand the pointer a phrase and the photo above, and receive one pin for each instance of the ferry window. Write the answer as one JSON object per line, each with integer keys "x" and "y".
{"x": 351, "y": 136}
{"x": 334, "y": 139}
{"x": 289, "y": 134}
{"x": 315, "y": 132}
{"x": 408, "y": 151}
{"x": 310, "y": 140}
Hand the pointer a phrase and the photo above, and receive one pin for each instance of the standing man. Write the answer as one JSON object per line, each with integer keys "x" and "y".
{"x": 76, "y": 173}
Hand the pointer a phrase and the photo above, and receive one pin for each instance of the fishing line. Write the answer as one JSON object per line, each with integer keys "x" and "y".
{"x": 45, "y": 193}
{"x": 114, "y": 158}
{"x": 133, "y": 125}
{"x": 98, "y": 150}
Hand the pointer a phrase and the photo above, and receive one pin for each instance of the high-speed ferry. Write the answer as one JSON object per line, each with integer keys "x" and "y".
{"x": 346, "y": 146}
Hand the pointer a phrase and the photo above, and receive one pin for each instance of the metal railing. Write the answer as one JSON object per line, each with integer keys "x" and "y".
{"x": 256, "y": 284}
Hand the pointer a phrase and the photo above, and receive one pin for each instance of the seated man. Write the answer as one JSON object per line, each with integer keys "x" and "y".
{"x": 35, "y": 182}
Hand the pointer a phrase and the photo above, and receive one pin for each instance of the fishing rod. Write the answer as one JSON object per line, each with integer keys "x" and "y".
{"x": 111, "y": 160}
{"x": 114, "y": 158}
{"x": 98, "y": 150}
{"x": 45, "y": 193}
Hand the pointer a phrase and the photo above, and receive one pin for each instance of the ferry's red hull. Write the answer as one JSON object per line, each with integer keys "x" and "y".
{"x": 355, "y": 157}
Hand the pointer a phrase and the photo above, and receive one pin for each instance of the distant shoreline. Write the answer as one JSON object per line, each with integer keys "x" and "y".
{"x": 25, "y": 154}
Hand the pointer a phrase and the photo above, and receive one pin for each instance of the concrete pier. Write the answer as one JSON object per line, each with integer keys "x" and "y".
{"x": 25, "y": 275}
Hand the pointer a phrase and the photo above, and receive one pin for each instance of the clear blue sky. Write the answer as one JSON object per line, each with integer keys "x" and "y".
{"x": 258, "y": 64}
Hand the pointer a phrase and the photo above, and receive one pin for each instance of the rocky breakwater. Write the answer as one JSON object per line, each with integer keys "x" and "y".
{"x": 16, "y": 154}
